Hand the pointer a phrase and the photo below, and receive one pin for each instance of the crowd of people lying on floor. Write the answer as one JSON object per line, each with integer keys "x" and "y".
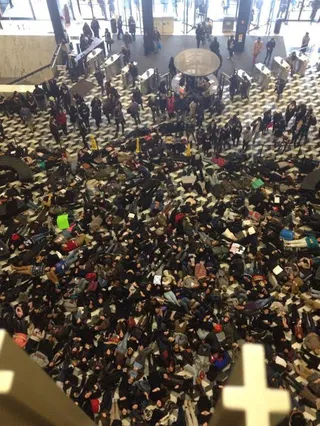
{"x": 136, "y": 272}
{"x": 138, "y": 301}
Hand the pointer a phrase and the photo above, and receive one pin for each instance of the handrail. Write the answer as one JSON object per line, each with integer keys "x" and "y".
{"x": 30, "y": 74}
{"x": 55, "y": 55}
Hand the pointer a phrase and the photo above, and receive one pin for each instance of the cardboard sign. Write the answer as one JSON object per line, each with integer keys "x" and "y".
{"x": 157, "y": 279}
{"x": 237, "y": 249}
{"x": 277, "y": 270}
{"x": 257, "y": 183}
{"x": 251, "y": 231}
{"x": 63, "y": 221}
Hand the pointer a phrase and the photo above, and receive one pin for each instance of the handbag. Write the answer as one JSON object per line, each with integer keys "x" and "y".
{"x": 159, "y": 45}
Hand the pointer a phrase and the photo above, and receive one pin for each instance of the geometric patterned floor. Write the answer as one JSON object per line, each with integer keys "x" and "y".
{"x": 304, "y": 89}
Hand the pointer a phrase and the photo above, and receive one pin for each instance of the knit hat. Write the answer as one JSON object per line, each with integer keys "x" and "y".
{"x": 217, "y": 328}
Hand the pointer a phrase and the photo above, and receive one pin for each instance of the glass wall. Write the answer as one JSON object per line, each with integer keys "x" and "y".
{"x": 217, "y": 10}
{"x": 300, "y": 10}
{"x": 40, "y": 9}
{"x": 106, "y": 9}
{"x": 16, "y": 9}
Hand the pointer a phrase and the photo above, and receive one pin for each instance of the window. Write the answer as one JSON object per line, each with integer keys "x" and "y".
{"x": 16, "y": 9}
{"x": 40, "y": 9}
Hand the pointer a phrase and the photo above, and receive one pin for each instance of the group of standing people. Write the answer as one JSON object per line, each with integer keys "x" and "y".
{"x": 288, "y": 129}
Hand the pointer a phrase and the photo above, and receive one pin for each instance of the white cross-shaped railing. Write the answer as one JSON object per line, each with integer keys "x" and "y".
{"x": 246, "y": 400}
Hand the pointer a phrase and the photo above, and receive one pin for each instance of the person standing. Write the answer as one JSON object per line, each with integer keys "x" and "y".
{"x": 269, "y": 46}
{"x": 72, "y": 67}
{"x": 172, "y": 67}
{"x": 61, "y": 120}
{"x": 192, "y": 111}
{"x": 230, "y": 47}
{"x": 133, "y": 110}
{"x": 257, "y": 48}
{"x": 246, "y": 137}
{"x": 95, "y": 26}
{"x": 256, "y": 128}
{"x": 133, "y": 70}
{"x": 308, "y": 121}
{"x": 132, "y": 28}
{"x": 87, "y": 31}
{"x": 85, "y": 114}
{"x": 156, "y": 40}
{"x": 108, "y": 39}
{"x": 46, "y": 87}
{"x": 40, "y": 97}
{"x": 199, "y": 34}
{"x": 163, "y": 102}
{"x": 2, "y": 132}
{"x": 170, "y": 105}
{"x": 215, "y": 46}
{"x": 125, "y": 54}
{"x": 119, "y": 118}
{"x": 236, "y": 130}
{"x": 108, "y": 107}
{"x": 99, "y": 75}
{"x": 54, "y": 129}
{"x": 96, "y": 111}
{"x": 66, "y": 96}
{"x": 137, "y": 97}
{"x": 83, "y": 131}
{"x": 31, "y": 102}
{"x": 119, "y": 26}
{"x": 233, "y": 85}
{"x": 27, "y": 117}
{"x": 127, "y": 39}
{"x": 280, "y": 85}
{"x": 153, "y": 104}
{"x": 305, "y": 43}
{"x": 245, "y": 88}
{"x": 73, "y": 113}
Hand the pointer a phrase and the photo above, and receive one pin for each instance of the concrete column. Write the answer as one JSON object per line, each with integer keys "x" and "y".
{"x": 56, "y": 20}
{"x": 243, "y": 22}
{"x": 147, "y": 20}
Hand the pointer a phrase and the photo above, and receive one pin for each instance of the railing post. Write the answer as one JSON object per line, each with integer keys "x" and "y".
{"x": 28, "y": 396}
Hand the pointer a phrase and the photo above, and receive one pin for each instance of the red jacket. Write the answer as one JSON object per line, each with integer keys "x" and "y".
{"x": 61, "y": 118}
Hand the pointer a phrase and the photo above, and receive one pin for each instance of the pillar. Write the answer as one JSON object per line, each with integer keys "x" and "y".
{"x": 56, "y": 20}
{"x": 147, "y": 21}
{"x": 243, "y": 22}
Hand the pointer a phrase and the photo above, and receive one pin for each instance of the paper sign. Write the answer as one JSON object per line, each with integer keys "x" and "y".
{"x": 277, "y": 200}
{"x": 257, "y": 183}
{"x": 251, "y": 231}
{"x": 63, "y": 221}
{"x": 237, "y": 248}
{"x": 280, "y": 361}
{"x": 157, "y": 279}
{"x": 277, "y": 270}
{"x": 131, "y": 215}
